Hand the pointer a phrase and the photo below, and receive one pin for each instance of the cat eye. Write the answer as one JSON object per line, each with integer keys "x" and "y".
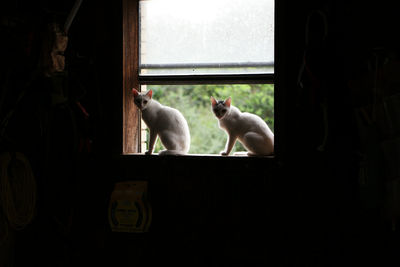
{"x": 145, "y": 102}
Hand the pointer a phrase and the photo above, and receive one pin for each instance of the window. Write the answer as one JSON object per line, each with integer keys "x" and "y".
{"x": 208, "y": 36}
{"x": 193, "y": 48}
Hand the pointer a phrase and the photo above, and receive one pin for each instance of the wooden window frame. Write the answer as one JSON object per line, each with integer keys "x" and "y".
{"x": 131, "y": 141}
{"x": 130, "y": 71}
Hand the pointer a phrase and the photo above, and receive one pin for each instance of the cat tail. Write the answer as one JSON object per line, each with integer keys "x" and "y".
{"x": 240, "y": 153}
{"x": 171, "y": 152}
{"x": 250, "y": 154}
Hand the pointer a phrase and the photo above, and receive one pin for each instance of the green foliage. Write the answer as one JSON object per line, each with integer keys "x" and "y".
{"x": 194, "y": 103}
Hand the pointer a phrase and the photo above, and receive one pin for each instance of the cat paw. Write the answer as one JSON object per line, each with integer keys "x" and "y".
{"x": 224, "y": 153}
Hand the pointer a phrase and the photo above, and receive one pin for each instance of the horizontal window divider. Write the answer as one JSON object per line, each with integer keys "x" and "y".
{"x": 264, "y": 78}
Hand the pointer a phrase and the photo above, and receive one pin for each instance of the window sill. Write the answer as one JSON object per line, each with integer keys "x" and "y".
{"x": 206, "y": 160}
{"x": 199, "y": 156}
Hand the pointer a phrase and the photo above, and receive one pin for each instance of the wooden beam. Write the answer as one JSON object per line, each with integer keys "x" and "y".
{"x": 131, "y": 119}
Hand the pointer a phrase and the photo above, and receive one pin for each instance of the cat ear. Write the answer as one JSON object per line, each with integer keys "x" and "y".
{"x": 135, "y": 92}
{"x": 228, "y": 102}
{"x": 149, "y": 93}
{"x": 213, "y": 101}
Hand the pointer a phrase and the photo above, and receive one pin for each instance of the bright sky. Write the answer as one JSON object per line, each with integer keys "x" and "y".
{"x": 207, "y": 31}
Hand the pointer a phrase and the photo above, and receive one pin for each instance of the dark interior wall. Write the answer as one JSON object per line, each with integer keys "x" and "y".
{"x": 70, "y": 154}
{"x": 342, "y": 192}
{"x": 307, "y": 207}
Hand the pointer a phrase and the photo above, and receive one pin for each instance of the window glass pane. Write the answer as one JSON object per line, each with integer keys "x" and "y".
{"x": 193, "y": 101}
{"x": 206, "y": 36}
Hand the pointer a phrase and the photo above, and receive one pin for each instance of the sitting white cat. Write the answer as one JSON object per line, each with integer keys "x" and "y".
{"x": 165, "y": 122}
{"x": 251, "y": 131}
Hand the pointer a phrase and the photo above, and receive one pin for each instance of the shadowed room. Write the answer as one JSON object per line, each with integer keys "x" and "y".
{"x": 84, "y": 179}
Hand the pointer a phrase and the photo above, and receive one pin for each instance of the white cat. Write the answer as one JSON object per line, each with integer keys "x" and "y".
{"x": 249, "y": 129}
{"x": 165, "y": 122}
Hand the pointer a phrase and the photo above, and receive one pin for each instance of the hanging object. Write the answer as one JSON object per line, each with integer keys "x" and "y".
{"x": 17, "y": 190}
{"x": 129, "y": 209}
{"x": 72, "y": 15}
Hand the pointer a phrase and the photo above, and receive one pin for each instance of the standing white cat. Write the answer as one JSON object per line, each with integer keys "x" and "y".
{"x": 249, "y": 129}
{"x": 165, "y": 122}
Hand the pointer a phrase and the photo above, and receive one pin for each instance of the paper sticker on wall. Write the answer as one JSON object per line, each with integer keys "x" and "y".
{"x": 129, "y": 209}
